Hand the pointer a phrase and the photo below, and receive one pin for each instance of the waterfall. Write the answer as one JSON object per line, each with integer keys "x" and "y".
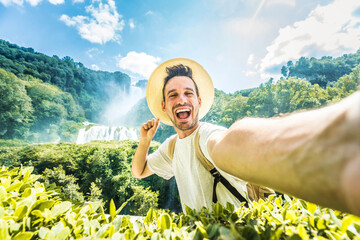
{"x": 120, "y": 103}
{"x": 106, "y": 133}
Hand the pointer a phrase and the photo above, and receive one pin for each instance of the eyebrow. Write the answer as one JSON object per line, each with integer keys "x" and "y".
{"x": 174, "y": 90}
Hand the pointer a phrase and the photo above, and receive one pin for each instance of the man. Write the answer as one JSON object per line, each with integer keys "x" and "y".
{"x": 313, "y": 155}
{"x": 174, "y": 96}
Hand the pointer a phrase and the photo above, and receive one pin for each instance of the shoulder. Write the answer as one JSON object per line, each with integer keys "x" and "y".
{"x": 207, "y": 129}
{"x": 163, "y": 148}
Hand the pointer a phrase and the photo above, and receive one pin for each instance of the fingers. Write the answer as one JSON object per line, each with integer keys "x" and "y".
{"x": 151, "y": 123}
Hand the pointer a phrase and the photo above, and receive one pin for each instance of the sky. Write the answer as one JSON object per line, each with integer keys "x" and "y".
{"x": 241, "y": 43}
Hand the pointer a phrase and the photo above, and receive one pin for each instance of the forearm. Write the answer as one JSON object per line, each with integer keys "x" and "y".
{"x": 139, "y": 164}
{"x": 313, "y": 155}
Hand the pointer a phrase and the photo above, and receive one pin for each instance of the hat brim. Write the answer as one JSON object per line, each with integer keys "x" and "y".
{"x": 154, "y": 95}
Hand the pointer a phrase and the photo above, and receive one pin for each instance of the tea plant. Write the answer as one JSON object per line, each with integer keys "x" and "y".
{"x": 32, "y": 210}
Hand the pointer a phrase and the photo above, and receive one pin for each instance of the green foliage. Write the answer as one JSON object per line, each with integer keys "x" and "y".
{"x": 142, "y": 200}
{"x": 32, "y": 210}
{"x": 36, "y": 111}
{"x": 324, "y": 71}
{"x": 88, "y": 88}
{"x": 67, "y": 183}
{"x": 15, "y": 107}
{"x": 94, "y": 171}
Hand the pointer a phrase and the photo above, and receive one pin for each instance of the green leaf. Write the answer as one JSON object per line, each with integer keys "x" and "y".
{"x": 14, "y": 187}
{"x": 164, "y": 221}
{"x": 2, "y": 194}
{"x": 121, "y": 208}
{"x": 44, "y": 204}
{"x": 149, "y": 216}
{"x": 42, "y": 232}
{"x": 112, "y": 209}
{"x": 27, "y": 192}
{"x": 302, "y": 232}
{"x": 63, "y": 234}
{"x": 201, "y": 228}
{"x": 156, "y": 236}
{"x": 334, "y": 218}
{"x": 60, "y": 208}
{"x": 4, "y": 230}
{"x": 20, "y": 212}
{"x": 26, "y": 176}
{"x": 23, "y": 236}
{"x": 311, "y": 207}
{"x": 188, "y": 210}
{"x": 230, "y": 207}
{"x": 218, "y": 209}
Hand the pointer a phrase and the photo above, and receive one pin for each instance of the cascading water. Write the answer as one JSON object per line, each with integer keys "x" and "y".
{"x": 106, "y": 133}
{"x": 121, "y": 102}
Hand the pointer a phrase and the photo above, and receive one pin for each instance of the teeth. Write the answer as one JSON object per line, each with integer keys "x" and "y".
{"x": 182, "y": 110}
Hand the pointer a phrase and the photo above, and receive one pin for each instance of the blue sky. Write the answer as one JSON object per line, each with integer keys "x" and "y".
{"x": 240, "y": 43}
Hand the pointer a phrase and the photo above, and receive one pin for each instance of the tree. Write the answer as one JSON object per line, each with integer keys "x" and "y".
{"x": 284, "y": 71}
{"x": 15, "y": 106}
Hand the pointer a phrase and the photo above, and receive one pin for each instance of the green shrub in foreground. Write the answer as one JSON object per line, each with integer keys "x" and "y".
{"x": 31, "y": 210}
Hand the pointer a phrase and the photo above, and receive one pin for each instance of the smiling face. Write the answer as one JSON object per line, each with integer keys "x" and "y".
{"x": 182, "y": 104}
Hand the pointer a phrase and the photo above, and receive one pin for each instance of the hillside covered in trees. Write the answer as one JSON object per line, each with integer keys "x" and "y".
{"x": 43, "y": 98}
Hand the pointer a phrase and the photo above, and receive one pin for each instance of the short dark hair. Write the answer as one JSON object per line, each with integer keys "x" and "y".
{"x": 178, "y": 70}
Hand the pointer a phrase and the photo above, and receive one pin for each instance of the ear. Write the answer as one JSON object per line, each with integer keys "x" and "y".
{"x": 199, "y": 99}
{"x": 163, "y": 106}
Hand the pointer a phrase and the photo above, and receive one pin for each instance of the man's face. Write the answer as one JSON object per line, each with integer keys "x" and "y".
{"x": 181, "y": 102}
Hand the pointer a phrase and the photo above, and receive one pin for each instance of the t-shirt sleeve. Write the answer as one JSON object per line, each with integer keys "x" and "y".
{"x": 160, "y": 163}
{"x": 207, "y": 130}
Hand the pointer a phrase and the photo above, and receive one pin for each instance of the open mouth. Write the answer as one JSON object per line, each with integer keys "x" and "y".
{"x": 183, "y": 113}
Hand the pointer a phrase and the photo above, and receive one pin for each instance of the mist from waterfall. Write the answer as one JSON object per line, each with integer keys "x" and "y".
{"x": 121, "y": 102}
{"x": 111, "y": 125}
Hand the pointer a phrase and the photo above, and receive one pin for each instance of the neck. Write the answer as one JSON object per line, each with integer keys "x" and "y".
{"x": 185, "y": 133}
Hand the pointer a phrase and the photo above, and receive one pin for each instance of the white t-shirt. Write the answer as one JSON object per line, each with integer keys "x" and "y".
{"x": 194, "y": 182}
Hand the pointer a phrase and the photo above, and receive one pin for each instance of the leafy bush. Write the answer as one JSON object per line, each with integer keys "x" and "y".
{"x": 98, "y": 170}
{"x": 32, "y": 210}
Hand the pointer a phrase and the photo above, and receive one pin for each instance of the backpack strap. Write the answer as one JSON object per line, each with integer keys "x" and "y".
{"x": 200, "y": 155}
{"x": 215, "y": 173}
{"x": 255, "y": 192}
{"x": 171, "y": 148}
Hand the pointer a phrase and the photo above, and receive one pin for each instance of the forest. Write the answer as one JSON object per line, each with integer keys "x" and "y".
{"x": 47, "y": 98}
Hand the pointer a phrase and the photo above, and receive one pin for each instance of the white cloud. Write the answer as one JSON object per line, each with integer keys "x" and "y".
{"x": 327, "y": 30}
{"x": 131, "y": 24}
{"x": 56, "y": 2}
{"x": 19, "y": 2}
{"x": 149, "y": 13}
{"x": 33, "y": 2}
{"x": 93, "y": 52}
{"x": 78, "y": 1}
{"x": 139, "y": 63}
{"x": 250, "y": 60}
{"x": 104, "y": 23}
{"x": 94, "y": 67}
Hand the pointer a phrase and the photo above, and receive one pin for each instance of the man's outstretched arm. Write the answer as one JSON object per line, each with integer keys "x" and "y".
{"x": 139, "y": 167}
{"x": 313, "y": 155}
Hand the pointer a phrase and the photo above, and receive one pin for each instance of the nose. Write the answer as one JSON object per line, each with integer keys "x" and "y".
{"x": 182, "y": 99}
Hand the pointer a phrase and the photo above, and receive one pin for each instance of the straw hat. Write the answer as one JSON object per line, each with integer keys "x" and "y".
{"x": 154, "y": 95}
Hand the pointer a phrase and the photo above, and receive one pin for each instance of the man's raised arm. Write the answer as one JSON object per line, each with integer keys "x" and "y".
{"x": 139, "y": 167}
{"x": 313, "y": 155}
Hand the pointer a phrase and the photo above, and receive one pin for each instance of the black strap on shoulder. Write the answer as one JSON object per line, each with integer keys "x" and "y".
{"x": 219, "y": 178}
